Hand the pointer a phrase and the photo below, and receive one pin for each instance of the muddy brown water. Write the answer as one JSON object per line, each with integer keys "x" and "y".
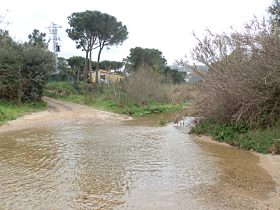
{"x": 136, "y": 164}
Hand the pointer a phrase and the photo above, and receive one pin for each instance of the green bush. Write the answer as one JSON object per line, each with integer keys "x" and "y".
{"x": 24, "y": 70}
{"x": 59, "y": 89}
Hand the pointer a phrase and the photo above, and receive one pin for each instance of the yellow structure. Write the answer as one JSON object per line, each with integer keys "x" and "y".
{"x": 106, "y": 76}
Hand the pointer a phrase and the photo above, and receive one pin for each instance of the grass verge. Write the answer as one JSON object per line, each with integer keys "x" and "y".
{"x": 11, "y": 111}
{"x": 106, "y": 104}
{"x": 263, "y": 140}
{"x": 101, "y": 98}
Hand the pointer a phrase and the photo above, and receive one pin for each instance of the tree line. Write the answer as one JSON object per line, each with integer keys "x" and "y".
{"x": 95, "y": 30}
{"x": 74, "y": 67}
{"x": 139, "y": 57}
{"x": 26, "y": 67}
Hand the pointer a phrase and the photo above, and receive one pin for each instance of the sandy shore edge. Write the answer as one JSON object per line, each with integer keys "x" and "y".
{"x": 270, "y": 163}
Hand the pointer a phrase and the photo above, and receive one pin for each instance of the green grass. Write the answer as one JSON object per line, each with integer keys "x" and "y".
{"x": 101, "y": 99}
{"x": 10, "y": 111}
{"x": 54, "y": 89}
{"x": 106, "y": 104}
{"x": 263, "y": 140}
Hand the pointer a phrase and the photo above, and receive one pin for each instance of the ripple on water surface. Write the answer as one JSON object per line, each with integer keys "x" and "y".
{"x": 81, "y": 165}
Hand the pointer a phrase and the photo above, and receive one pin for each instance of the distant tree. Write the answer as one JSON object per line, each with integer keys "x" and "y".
{"x": 145, "y": 57}
{"x": 174, "y": 75}
{"x": 274, "y": 11}
{"x": 63, "y": 68}
{"x": 109, "y": 65}
{"x": 115, "y": 65}
{"x": 77, "y": 64}
{"x": 110, "y": 32}
{"x": 83, "y": 30}
{"x": 37, "y": 38}
{"x": 93, "y": 29}
{"x": 5, "y": 37}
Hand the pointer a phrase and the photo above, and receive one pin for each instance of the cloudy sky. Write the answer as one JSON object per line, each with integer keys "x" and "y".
{"x": 166, "y": 25}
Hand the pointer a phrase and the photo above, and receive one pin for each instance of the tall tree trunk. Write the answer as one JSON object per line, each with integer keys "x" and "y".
{"x": 97, "y": 65}
{"x": 86, "y": 67}
{"x": 78, "y": 75}
{"x": 90, "y": 66}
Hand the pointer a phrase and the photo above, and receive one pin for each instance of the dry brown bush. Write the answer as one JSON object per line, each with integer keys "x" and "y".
{"x": 141, "y": 87}
{"x": 243, "y": 79}
{"x": 183, "y": 93}
{"x": 146, "y": 85}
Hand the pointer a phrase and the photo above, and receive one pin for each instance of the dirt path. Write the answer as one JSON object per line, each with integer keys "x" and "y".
{"x": 58, "y": 110}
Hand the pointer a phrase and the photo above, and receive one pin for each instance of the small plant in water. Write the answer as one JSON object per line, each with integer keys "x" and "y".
{"x": 162, "y": 122}
{"x": 275, "y": 148}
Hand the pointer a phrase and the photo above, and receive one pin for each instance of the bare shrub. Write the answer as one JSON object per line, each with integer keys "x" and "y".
{"x": 243, "y": 79}
{"x": 140, "y": 87}
{"x": 182, "y": 93}
{"x": 145, "y": 85}
{"x": 117, "y": 94}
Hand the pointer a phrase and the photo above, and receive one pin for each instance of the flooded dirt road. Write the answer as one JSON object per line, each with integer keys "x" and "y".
{"x": 74, "y": 157}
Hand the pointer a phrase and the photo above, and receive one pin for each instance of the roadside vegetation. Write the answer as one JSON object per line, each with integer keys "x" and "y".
{"x": 147, "y": 82}
{"x": 136, "y": 95}
{"x": 10, "y": 110}
{"x": 29, "y": 70}
{"x": 259, "y": 139}
{"x": 239, "y": 95}
{"x": 104, "y": 99}
{"x": 24, "y": 70}
{"x": 147, "y": 86}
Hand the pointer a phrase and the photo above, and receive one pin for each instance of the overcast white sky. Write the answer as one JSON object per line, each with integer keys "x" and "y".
{"x": 166, "y": 25}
